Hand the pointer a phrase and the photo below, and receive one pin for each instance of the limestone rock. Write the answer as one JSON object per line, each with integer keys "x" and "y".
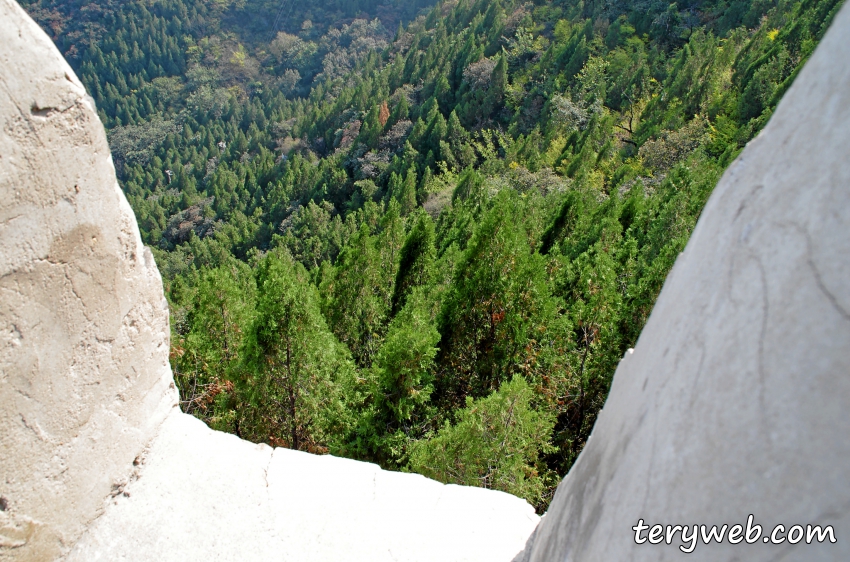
{"x": 91, "y": 442}
{"x": 205, "y": 495}
{"x": 734, "y": 402}
{"x": 736, "y": 399}
{"x": 84, "y": 375}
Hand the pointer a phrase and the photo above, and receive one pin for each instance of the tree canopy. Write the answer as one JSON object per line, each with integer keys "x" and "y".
{"x": 422, "y": 234}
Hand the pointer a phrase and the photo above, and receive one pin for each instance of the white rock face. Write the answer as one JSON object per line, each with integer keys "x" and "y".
{"x": 205, "y": 495}
{"x": 736, "y": 399}
{"x": 84, "y": 375}
{"x": 96, "y": 461}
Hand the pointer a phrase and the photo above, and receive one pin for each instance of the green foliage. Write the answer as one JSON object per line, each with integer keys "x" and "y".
{"x": 404, "y": 362}
{"x": 207, "y": 348}
{"x": 498, "y": 310}
{"x": 294, "y": 368}
{"x": 416, "y": 261}
{"x": 496, "y": 443}
{"x": 428, "y": 249}
{"x": 400, "y": 387}
{"x": 355, "y": 301}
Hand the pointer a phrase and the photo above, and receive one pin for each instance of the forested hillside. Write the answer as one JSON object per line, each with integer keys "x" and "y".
{"x": 419, "y": 235}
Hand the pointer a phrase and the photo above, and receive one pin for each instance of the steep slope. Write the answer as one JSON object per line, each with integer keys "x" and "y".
{"x": 94, "y": 445}
{"x": 468, "y": 221}
{"x": 734, "y": 401}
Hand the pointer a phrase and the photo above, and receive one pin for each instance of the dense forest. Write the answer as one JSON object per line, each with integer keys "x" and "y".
{"x": 422, "y": 235}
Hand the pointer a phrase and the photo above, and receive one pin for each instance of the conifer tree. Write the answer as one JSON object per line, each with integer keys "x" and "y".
{"x": 496, "y": 310}
{"x": 407, "y": 199}
{"x": 295, "y": 367}
{"x": 208, "y": 355}
{"x": 416, "y": 261}
{"x": 497, "y": 443}
{"x": 354, "y": 300}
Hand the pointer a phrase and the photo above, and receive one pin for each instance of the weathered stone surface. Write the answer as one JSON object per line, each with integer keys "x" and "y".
{"x": 84, "y": 376}
{"x": 736, "y": 399}
{"x": 205, "y": 495}
{"x": 734, "y": 402}
{"x": 91, "y": 442}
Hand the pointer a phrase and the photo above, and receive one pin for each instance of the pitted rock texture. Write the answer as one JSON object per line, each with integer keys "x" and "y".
{"x": 734, "y": 402}
{"x": 96, "y": 461}
{"x": 736, "y": 399}
{"x": 84, "y": 375}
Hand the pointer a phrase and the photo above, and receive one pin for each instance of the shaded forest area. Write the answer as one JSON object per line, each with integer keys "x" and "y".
{"x": 422, "y": 236}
